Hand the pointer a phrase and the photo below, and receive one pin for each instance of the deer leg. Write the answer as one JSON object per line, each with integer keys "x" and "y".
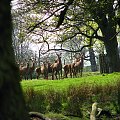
{"x": 61, "y": 73}
{"x": 81, "y": 71}
{"x": 25, "y": 76}
{"x": 65, "y": 74}
{"x": 56, "y": 74}
{"x": 46, "y": 74}
{"x": 75, "y": 73}
{"x": 31, "y": 76}
{"x": 53, "y": 74}
{"x": 70, "y": 71}
{"x": 37, "y": 75}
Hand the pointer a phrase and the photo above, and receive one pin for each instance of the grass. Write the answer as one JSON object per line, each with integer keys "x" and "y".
{"x": 73, "y": 96}
{"x": 63, "y": 84}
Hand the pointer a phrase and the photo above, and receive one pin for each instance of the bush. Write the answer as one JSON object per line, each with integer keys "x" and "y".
{"x": 54, "y": 100}
{"x": 76, "y": 100}
{"x": 35, "y": 101}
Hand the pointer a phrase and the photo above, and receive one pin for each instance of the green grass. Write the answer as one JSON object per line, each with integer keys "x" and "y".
{"x": 63, "y": 84}
{"x": 56, "y": 98}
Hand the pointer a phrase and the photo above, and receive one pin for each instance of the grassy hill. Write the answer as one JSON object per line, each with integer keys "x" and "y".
{"x": 63, "y": 84}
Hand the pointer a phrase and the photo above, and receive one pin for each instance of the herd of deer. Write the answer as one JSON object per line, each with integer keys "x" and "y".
{"x": 55, "y": 68}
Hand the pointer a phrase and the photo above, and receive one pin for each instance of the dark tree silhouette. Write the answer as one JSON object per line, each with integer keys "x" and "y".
{"x": 12, "y": 104}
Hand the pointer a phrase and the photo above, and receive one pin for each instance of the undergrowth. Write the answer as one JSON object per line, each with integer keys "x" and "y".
{"x": 76, "y": 99}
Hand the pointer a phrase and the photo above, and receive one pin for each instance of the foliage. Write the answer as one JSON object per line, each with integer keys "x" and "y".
{"x": 75, "y": 99}
{"x": 79, "y": 20}
{"x": 55, "y": 101}
{"x": 32, "y": 99}
{"x": 57, "y": 116}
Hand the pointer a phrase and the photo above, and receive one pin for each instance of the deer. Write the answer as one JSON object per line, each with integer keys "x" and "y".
{"x": 78, "y": 66}
{"x": 69, "y": 69}
{"x": 31, "y": 68}
{"x": 44, "y": 69}
{"x": 24, "y": 71}
{"x": 56, "y": 67}
{"x": 75, "y": 67}
{"x": 72, "y": 69}
{"x": 66, "y": 70}
{"x": 38, "y": 72}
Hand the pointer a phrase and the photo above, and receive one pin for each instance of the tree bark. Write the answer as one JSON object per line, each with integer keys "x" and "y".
{"x": 113, "y": 55}
{"x": 92, "y": 60}
{"x": 111, "y": 46}
{"x": 12, "y": 104}
{"x": 108, "y": 29}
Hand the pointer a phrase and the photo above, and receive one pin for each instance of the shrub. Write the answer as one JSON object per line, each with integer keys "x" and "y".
{"x": 76, "y": 100}
{"x": 54, "y": 100}
{"x": 35, "y": 101}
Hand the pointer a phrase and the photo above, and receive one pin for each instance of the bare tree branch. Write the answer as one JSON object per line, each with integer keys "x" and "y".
{"x": 79, "y": 50}
{"x": 62, "y": 14}
{"x": 31, "y": 28}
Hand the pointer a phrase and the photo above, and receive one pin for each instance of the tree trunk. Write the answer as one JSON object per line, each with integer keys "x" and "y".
{"x": 92, "y": 60}
{"x": 113, "y": 55}
{"x": 111, "y": 46}
{"x": 12, "y": 104}
{"x": 108, "y": 29}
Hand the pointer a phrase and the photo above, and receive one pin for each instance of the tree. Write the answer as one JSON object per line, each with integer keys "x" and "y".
{"x": 103, "y": 13}
{"x": 21, "y": 43}
{"x": 76, "y": 17}
{"x": 92, "y": 60}
{"x": 12, "y": 104}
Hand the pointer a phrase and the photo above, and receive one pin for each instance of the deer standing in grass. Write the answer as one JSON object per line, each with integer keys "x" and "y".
{"x": 66, "y": 70}
{"x": 57, "y": 67}
{"x": 24, "y": 69}
{"x": 31, "y": 68}
{"x": 44, "y": 69}
{"x": 78, "y": 66}
{"x": 75, "y": 67}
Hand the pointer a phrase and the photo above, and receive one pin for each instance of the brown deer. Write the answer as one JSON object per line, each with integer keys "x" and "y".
{"x": 56, "y": 67}
{"x": 24, "y": 71}
{"x": 38, "y": 72}
{"x": 74, "y": 68}
{"x": 44, "y": 69}
{"x": 27, "y": 70}
{"x": 66, "y": 70}
{"x": 69, "y": 69}
{"x": 31, "y": 68}
{"x": 78, "y": 66}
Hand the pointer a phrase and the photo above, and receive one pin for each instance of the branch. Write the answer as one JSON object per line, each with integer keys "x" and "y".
{"x": 62, "y": 49}
{"x": 63, "y": 13}
{"x": 95, "y": 33}
{"x": 38, "y": 115}
{"x": 31, "y": 28}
